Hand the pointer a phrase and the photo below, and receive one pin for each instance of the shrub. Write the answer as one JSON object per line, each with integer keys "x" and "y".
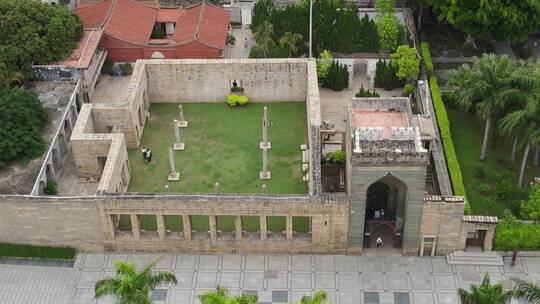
{"x": 446, "y": 137}
{"x": 324, "y": 63}
{"x": 406, "y": 62}
{"x": 388, "y": 29}
{"x": 339, "y": 156}
{"x": 237, "y": 100}
{"x": 231, "y": 40}
{"x": 126, "y": 68}
{"x": 237, "y": 90}
{"x": 337, "y": 78}
{"x": 480, "y": 173}
{"x": 366, "y": 93}
{"x": 427, "y": 57}
{"x": 50, "y": 188}
{"x": 484, "y": 189}
{"x": 41, "y": 252}
{"x": 408, "y": 89}
{"x": 107, "y": 66}
{"x": 530, "y": 209}
{"x": 385, "y": 76}
{"x": 511, "y": 234}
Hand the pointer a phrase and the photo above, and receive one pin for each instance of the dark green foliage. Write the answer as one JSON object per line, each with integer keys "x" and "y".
{"x": 337, "y": 78}
{"x": 366, "y": 93}
{"x": 157, "y": 32}
{"x": 40, "y": 252}
{"x": 107, "y": 66}
{"x": 511, "y": 234}
{"x": 385, "y": 76}
{"x": 22, "y": 117}
{"x": 32, "y": 32}
{"x": 426, "y": 56}
{"x": 50, "y": 188}
{"x": 369, "y": 38}
{"x": 261, "y": 12}
{"x": 126, "y": 68}
{"x": 339, "y": 156}
{"x": 237, "y": 90}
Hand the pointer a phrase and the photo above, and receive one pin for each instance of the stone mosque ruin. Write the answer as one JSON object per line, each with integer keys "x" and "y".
{"x": 391, "y": 184}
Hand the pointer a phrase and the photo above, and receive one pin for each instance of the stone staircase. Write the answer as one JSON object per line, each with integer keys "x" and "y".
{"x": 484, "y": 258}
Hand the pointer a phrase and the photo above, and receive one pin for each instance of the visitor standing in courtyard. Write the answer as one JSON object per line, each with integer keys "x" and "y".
{"x": 149, "y": 155}
{"x": 378, "y": 242}
{"x": 246, "y": 43}
{"x": 144, "y": 152}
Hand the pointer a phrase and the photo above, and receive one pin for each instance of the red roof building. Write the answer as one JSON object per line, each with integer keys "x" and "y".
{"x": 198, "y": 31}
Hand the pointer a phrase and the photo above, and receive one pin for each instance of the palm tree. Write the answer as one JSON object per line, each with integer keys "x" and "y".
{"x": 485, "y": 293}
{"x": 529, "y": 291}
{"x": 292, "y": 40}
{"x": 480, "y": 87}
{"x": 263, "y": 36}
{"x": 318, "y": 298}
{"x": 220, "y": 296}
{"x": 131, "y": 286}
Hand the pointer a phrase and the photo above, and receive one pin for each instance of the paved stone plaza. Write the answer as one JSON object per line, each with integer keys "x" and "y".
{"x": 276, "y": 279}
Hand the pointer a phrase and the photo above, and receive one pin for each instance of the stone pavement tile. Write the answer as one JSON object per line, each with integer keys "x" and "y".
{"x": 177, "y": 296}
{"x": 395, "y": 264}
{"x": 490, "y": 269}
{"x": 507, "y": 281}
{"x": 445, "y": 282}
{"x": 331, "y": 295}
{"x": 466, "y": 269}
{"x": 208, "y": 262}
{"x": 94, "y": 260}
{"x": 165, "y": 261}
{"x": 349, "y": 282}
{"x": 231, "y": 262}
{"x": 324, "y": 263}
{"x": 301, "y": 262}
{"x": 422, "y": 298}
{"x": 107, "y": 300}
{"x": 325, "y": 280}
{"x": 372, "y": 281}
{"x": 297, "y": 294}
{"x": 264, "y": 296}
{"x": 229, "y": 279}
{"x": 112, "y": 257}
{"x": 184, "y": 278}
{"x": 281, "y": 281}
{"x": 441, "y": 266}
{"x": 347, "y": 263}
{"x": 83, "y": 296}
{"x": 402, "y": 298}
{"x": 396, "y": 281}
{"x": 159, "y": 295}
{"x": 107, "y": 274}
{"x": 301, "y": 280}
{"x": 371, "y": 263}
{"x": 516, "y": 269}
{"x": 280, "y": 262}
{"x": 89, "y": 278}
{"x": 349, "y": 298}
{"x": 141, "y": 259}
{"x": 386, "y": 298}
{"x": 466, "y": 279}
{"x": 418, "y": 265}
{"x": 371, "y": 297}
{"x": 253, "y": 280}
{"x": 534, "y": 277}
{"x": 206, "y": 280}
{"x": 254, "y": 262}
{"x": 531, "y": 264}
{"x": 280, "y": 296}
{"x": 79, "y": 261}
{"x": 447, "y": 298}
{"x": 421, "y": 282}
{"x": 198, "y": 292}
{"x": 185, "y": 262}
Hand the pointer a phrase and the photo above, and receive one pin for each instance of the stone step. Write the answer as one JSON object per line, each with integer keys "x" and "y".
{"x": 485, "y": 258}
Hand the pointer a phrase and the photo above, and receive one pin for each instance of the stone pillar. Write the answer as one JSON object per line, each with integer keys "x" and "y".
{"x": 162, "y": 230}
{"x": 264, "y": 174}
{"x": 265, "y": 144}
{"x": 186, "y": 220}
{"x": 181, "y": 122}
{"x": 488, "y": 239}
{"x": 173, "y": 175}
{"x": 213, "y": 227}
{"x": 135, "y": 226}
{"x": 216, "y": 188}
{"x": 238, "y": 227}
{"x": 264, "y": 231}
{"x": 178, "y": 144}
{"x": 288, "y": 229}
{"x": 110, "y": 226}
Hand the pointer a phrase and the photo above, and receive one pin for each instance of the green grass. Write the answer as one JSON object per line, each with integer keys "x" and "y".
{"x": 222, "y": 145}
{"x": 8, "y": 250}
{"x": 467, "y": 134}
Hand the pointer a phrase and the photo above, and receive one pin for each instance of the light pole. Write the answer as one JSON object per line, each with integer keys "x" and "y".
{"x": 310, "y": 28}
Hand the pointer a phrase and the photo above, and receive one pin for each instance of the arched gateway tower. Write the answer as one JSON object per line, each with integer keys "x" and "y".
{"x": 386, "y": 175}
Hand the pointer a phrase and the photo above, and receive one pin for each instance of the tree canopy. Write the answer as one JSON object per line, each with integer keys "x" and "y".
{"x": 407, "y": 62}
{"x": 32, "y": 32}
{"x": 490, "y": 20}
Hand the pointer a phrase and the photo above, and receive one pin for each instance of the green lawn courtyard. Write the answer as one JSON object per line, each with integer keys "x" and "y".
{"x": 490, "y": 183}
{"x": 222, "y": 145}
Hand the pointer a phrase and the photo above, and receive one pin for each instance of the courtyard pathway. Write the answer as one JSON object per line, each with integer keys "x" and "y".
{"x": 275, "y": 279}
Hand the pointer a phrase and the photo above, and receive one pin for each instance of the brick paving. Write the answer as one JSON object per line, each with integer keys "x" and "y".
{"x": 275, "y": 279}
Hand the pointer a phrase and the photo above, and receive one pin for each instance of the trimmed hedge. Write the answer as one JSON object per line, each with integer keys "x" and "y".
{"x": 511, "y": 234}
{"x": 8, "y": 250}
{"x": 446, "y": 137}
{"x": 427, "y": 57}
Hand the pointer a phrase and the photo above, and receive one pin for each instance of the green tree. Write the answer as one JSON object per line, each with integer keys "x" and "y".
{"x": 530, "y": 209}
{"x": 485, "y": 293}
{"x": 368, "y": 40}
{"x": 32, "y": 32}
{"x": 493, "y": 20}
{"x": 387, "y": 24}
{"x": 337, "y": 78}
{"x": 291, "y": 41}
{"x": 527, "y": 290}
{"x": 318, "y": 298}
{"x": 221, "y": 296}
{"x": 263, "y": 37}
{"x": 480, "y": 87}
{"x": 324, "y": 63}
{"x": 262, "y": 10}
{"x": 407, "y": 63}
{"x": 131, "y": 286}
{"x": 22, "y": 116}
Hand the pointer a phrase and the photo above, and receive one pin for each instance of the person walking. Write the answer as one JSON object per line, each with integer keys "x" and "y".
{"x": 144, "y": 152}
{"x": 149, "y": 155}
{"x": 246, "y": 43}
{"x": 378, "y": 242}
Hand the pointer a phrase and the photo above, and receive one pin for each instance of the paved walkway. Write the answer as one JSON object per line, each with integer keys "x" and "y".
{"x": 239, "y": 51}
{"x": 275, "y": 279}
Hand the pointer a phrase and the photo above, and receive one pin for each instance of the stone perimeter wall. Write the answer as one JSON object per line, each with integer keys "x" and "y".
{"x": 86, "y": 223}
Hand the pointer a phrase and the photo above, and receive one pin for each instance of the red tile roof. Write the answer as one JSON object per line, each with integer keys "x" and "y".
{"x": 131, "y": 21}
{"x": 82, "y": 55}
{"x": 168, "y": 15}
{"x": 94, "y": 15}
